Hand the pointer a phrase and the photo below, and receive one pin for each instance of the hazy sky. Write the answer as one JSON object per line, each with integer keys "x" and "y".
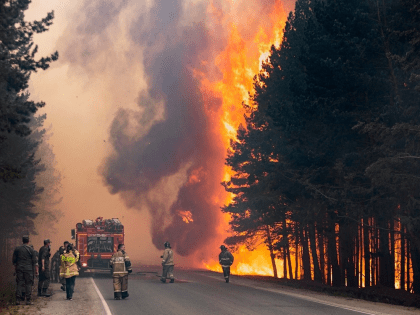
{"x": 130, "y": 133}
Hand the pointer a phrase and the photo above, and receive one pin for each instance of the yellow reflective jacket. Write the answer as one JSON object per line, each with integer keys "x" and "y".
{"x": 120, "y": 263}
{"x": 68, "y": 266}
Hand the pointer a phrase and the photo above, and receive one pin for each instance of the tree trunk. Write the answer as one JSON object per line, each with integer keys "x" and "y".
{"x": 321, "y": 253}
{"x": 332, "y": 253}
{"x": 305, "y": 256}
{"x": 351, "y": 237}
{"x": 284, "y": 262}
{"x": 392, "y": 253}
{"x": 366, "y": 241}
{"x": 312, "y": 243}
{"x": 402, "y": 274}
{"x": 297, "y": 253}
{"x": 408, "y": 265}
{"x": 270, "y": 247}
{"x": 357, "y": 254}
{"x": 415, "y": 259}
{"x": 385, "y": 271}
{"x": 289, "y": 260}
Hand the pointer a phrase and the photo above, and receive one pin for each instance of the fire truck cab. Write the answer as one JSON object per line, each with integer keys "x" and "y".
{"x": 96, "y": 241}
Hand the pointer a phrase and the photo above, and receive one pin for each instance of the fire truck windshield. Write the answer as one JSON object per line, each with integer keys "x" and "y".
{"x": 97, "y": 244}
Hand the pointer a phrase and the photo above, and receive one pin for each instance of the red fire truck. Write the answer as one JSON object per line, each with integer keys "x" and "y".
{"x": 96, "y": 241}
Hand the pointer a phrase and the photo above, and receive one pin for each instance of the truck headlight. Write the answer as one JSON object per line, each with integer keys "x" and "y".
{"x": 84, "y": 264}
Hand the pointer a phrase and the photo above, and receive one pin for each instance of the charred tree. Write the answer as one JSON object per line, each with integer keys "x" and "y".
{"x": 366, "y": 254}
{"x": 306, "y": 261}
{"x": 315, "y": 261}
{"x": 332, "y": 254}
{"x": 270, "y": 248}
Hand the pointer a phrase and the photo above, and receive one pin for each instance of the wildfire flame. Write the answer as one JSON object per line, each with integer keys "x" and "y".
{"x": 239, "y": 63}
{"x": 186, "y": 216}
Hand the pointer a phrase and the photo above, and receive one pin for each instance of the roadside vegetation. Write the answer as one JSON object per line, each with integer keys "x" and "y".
{"x": 28, "y": 182}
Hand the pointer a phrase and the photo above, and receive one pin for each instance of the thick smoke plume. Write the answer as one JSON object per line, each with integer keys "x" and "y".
{"x": 167, "y": 154}
{"x": 171, "y": 133}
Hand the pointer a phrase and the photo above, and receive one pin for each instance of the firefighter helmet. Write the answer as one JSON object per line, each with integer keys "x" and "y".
{"x": 167, "y": 244}
{"x": 222, "y": 247}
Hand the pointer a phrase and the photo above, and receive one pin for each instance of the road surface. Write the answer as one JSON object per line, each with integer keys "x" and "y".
{"x": 204, "y": 292}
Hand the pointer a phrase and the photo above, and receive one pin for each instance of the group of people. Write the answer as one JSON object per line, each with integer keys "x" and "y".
{"x": 29, "y": 264}
{"x": 121, "y": 267}
{"x": 225, "y": 260}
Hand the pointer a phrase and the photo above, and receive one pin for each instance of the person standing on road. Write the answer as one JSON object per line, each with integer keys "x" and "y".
{"x": 167, "y": 263}
{"x": 69, "y": 269}
{"x": 62, "y": 279}
{"x": 121, "y": 267}
{"x": 44, "y": 266}
{"x": 225, "y": 260}
{"x": 55, "y": 265}
{"x": 26, "y": 266}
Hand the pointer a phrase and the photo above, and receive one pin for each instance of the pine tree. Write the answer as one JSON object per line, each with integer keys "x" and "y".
{"x": 18, "y": 165}
{"x": 17, "y": 62}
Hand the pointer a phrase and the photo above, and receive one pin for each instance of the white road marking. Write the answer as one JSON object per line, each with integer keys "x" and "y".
{"x": 104, "y": 304}
{"x": 300, "y": 297}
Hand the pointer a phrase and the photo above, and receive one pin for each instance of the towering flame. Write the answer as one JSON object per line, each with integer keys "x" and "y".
{"x": 198, "y": 59}
{"x": 240, "y": 61}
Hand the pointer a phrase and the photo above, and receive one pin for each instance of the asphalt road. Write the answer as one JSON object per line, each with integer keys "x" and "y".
{"x": 203, "y": 292}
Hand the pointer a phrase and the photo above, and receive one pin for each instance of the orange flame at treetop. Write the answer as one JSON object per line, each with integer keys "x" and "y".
{"x": 239, "y": 63}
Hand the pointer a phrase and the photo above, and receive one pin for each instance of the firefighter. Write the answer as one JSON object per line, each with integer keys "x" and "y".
{"x": 121, "y": 267}
{"x": 36, "y": 256}
{"x": 26, "y": 266}
{"x": 62, "y": 279}
{"x": 225, "y": 260}
{"x": 167, "y": 263}
{"x": 55, "y": 265}
{"x": 69, "y": 270}
{"x": 44, "y": 266}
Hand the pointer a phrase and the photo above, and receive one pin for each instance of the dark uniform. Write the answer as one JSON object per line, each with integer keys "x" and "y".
{"x": 25, "y": 262}
{"x": 225, "y": 260}
{"x": 167, "y": 263}
{"x": 44, "y": 275}
{"x": 55, "y": 266}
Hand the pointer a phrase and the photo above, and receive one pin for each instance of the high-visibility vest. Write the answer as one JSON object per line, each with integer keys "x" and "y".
{"x": 68, "y": 266}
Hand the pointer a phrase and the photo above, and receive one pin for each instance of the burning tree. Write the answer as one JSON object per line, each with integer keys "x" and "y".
{"x": 330, "y": 145}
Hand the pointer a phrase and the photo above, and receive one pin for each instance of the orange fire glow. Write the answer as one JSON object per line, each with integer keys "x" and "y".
{"x": 240, "y": 61}
{"x": 186, "y": 216}
{"x": 256, "y": 262}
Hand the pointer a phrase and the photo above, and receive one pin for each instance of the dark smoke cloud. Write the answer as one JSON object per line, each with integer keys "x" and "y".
{"x": 171, "y": 52}
{"x": 169, "y": 135}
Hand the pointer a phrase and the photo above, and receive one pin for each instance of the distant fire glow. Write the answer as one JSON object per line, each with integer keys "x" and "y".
{"x": 186, "y": 216}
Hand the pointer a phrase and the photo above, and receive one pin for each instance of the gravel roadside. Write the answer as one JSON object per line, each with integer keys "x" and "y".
{"x": 85, "y": 301}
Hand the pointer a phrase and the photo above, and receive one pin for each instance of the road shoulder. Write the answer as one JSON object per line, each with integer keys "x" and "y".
{"x": 362, "y": 306}
{"x": 85, "y": 300}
